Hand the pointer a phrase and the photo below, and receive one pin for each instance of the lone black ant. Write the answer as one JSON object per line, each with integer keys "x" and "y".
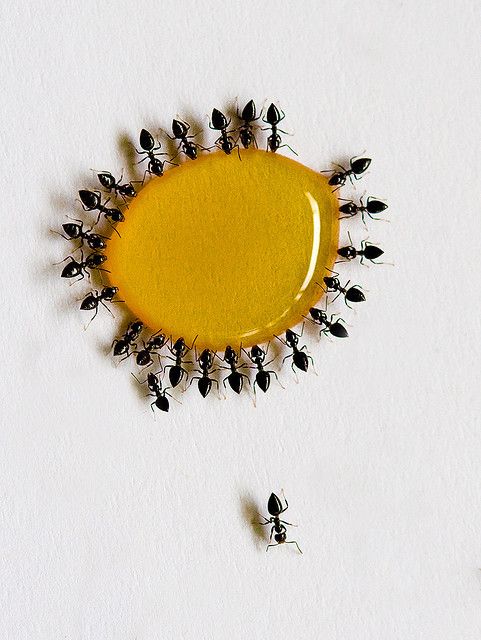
{"x": 94, "y": 298}
{"x": 225, "y": 142}
{"x": 152, "y": 346}
{"x": 123, "y": 345}
{"x": 186, "y": 145}
{"x": 235, "y": 377}
{"x": 353, "y": 294}
{"x": 300, "y": 359}
{"x": 91, "y": 201}
{"x": 74, "y": 268}
{"x": 77, "y": 232}
{"x": 246, "y": 133}
{"x": 367, "y": 250}
{"x": 273, "y": 117}
{"x": 147, "y": 143}
{"x": 274, "y": 507}
{"x": 155, "y": 387}
{"x": 176, "y": 371}
{"x": 205, "y": 362}
{"x": 257, "y": 355}
{"x": 319, "y": 317}
{"x": 357, "y": 166}
{"x": 108, "y": 181}
{"x": 371, "y": 208}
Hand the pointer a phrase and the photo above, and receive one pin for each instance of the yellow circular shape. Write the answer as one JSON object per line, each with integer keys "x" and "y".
{"x": 227, "y": 250}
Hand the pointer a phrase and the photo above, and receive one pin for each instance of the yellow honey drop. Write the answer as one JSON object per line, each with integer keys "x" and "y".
{"x": 227, "y": 250}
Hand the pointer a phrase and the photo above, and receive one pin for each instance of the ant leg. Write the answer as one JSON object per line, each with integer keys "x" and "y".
{"x": 103, "y": 303}
{"x": 294, "y": 542}
{"x": 277, "y": 378}
{"x": 288, "y": 356}
{"x": 92, "y": 318}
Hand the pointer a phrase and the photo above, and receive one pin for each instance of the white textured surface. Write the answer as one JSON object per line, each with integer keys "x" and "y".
{"x": 116, "y": 526}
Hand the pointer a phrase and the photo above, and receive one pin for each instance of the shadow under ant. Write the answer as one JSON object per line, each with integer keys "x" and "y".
{"x": 250, "y": 513}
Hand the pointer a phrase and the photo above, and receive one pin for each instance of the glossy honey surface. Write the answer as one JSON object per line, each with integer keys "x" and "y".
{"x": 224, "y": 249}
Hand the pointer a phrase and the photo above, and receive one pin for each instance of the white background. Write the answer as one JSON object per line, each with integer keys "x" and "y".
{"x": 118, "y": 525}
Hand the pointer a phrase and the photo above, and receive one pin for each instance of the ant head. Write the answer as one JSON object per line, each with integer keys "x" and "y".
{"x": 89, "y": 199}
{"x": 136, "y": 327}
{"x": 206, "y": 358}
{"x": 72, "y": 230}
{"x": 337, "y": 179}
{"x": 115, "y": 215}
{"x": 96, "y": 242}
{"x": 257, "y": 352}
{"x": 219, "y": 121}
{"x": 146, "y": 140}
{"x": 156, "y": 167}
{"x": 291, "y": 337}
{"x": 106, "y": 179}
{"x": 330, "y": 282}
{"x": 156, "y": 342}
{"x": 274, "y": 506}
{"x": 108, "y": 293}
{"x": 318, "y": 315}
{"x": 350, "y": 208}
{"x": 179, "y": 129}
{"x": 249, "y": 112}
{"x": 273, "y": 115}
{"x": 178, "y": 345}
{"x": 360, "y": 165}
{"x": 95, "y": 260}
{"x": 347, "y": 252}
{"x": 230, "y": 355}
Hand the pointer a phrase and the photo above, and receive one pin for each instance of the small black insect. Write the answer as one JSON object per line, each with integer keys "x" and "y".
{"x": 155, "y": 387}
{"x": 123, "y": 344}
{"x": 351, "y": 294}
{"x": 74, "y": 268}
{"x": 77, "y": 232}
{"x": 336, "y": 329}
{"x": 108, "y": 181}
{"x": 257, "y": 355}
{"x": 91, "y": 201}
{"x": 205, "y": 362}
{"x": 147, "y": 143}
{"x": 235, "y": 377}
{"x": 357, "y": 166}
{"x": 273, "y": 117}
{"x": 300, "y": 359}
{"x": 246, "y": 130}
{"x": 152, "y": 346}
{"x": 371, "y": 208}
{"x": 176, "y": 371}
{"x": 368, "y": 251}
{"x": 186, "y": 144}
{"x": 225, "y": 142}
{"x": 94, "y": 298}
{"x": 278, "y": 529}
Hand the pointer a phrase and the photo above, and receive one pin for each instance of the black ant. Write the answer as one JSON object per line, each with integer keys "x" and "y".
{"x": 257, "y": 355}
{"x": 176, "y": 371}
{"x": 274, "y": 507}
{"x": 235, "y": 377}
{"x": 300, "y": 359}
{"x": 336, "y": 329}
{"x": 353, "y": 294}
{"x": 153, "y": 345}
{"x": 180, "y": 130}
{"x": 372, "y": 207}
{"x": 94, "y": 298}
{"x": 91, "y": 201}
{"x": 123, "y": 344}
{"x": 357, "y": 166}
{"x": 225, "y": 142}
{"x": 367, "y": 250}
{"x": 76, "y": 232}
{"x": 147, "y": 143}
{"x": 273, "y": 117}
{"x": 205, "y": 362}
{"x": 246, "y": 133}
{"x": 108, "y": 181}
{"x": 74, "y": 268}
{"x": 155, "y": 386}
